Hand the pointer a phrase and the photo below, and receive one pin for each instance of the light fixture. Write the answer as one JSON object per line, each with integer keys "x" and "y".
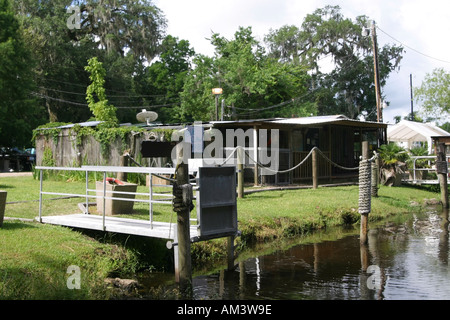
{"x": 217, "y": 91}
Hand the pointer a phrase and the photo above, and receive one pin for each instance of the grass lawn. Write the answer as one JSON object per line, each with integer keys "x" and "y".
{"x": 34, "y": 258}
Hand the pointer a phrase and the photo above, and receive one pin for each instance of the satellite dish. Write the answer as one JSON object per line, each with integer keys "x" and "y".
{"x": 147, "y": 116}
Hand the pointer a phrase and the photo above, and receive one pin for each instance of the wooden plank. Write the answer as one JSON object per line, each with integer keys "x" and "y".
{"x": 162, "y": 230}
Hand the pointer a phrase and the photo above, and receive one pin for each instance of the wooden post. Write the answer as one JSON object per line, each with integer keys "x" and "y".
{"x": 183, "y": 235}
{"x": 230, "y": 252}
{"x": 364, "y": 216}
{"x": 442, "y": 171}
{"x": 365, "y": 150}
{"x": 375, "y": 174}
{"x": 3, "y": 195}
{"x": 183, "y": 268}
{"x": 364, "y": 229}
{"x": 315, "y": 178}
{"x": 122, "y": 176}
{"x": 240, "y": 170}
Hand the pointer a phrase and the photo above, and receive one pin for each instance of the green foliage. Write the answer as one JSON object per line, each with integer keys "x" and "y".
{"x": 101, "y": 109}
{"x": 105, "y": 135}
{"x": 417, "y": 152}
{"x": 392, "y": 153}
{"x": 19, "y": 113}
{"x": 434, "y": 93}
{"x": 61, "y": 53}
{"x": 251, "y": 80}
{"x": 166, "y": 78}
{"x": 348, "y": 88}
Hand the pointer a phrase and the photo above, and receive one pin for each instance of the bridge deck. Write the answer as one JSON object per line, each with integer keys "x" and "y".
{"x": 163, "y": 230}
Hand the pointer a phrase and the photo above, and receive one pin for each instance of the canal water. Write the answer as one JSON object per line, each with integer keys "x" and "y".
{"x": 404, "y": 260}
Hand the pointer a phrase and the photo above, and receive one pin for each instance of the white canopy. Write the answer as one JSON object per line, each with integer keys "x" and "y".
{"x": 407, "y": 132}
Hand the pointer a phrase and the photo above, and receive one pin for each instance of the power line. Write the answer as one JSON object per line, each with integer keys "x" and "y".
{"x": 43, "y": 96}
{"x": 109, "y": 95}
{"x": 405, "y": 45}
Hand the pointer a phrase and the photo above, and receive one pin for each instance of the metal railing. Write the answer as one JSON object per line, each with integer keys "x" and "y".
{"x": 415, "y": 169}
{"x": 158, "y": 172}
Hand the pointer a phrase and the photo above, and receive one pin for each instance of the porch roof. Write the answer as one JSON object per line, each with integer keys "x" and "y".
{"x": 303, "y": 121}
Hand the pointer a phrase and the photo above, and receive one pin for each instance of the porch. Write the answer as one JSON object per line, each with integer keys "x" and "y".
{"x": 337, "y": 137}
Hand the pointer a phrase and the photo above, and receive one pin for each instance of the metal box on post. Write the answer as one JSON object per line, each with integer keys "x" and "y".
{"x": 216, "y": 202}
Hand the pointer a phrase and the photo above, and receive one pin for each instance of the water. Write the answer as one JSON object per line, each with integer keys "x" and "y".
{"x": 402, "y": 261}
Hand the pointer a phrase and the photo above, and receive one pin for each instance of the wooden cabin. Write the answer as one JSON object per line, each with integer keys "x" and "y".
{"x": 338, "y": 137}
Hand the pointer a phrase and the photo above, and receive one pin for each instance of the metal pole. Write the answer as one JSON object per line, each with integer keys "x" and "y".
{"x": 150, "y": 183}
{"x": 104, "y": 201}
{"x": 217, "y": 107}
{"x": 87, "y": 192}
{"x": 40, "y": 196}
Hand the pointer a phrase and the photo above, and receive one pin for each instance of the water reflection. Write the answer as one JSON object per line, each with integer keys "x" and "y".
{"x": 401, "y": 261}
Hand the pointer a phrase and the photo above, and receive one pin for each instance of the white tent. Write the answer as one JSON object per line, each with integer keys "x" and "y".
{"x": 408, "y": 133}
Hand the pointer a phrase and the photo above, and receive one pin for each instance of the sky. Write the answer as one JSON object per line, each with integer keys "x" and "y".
{"x": 420, "y": 26}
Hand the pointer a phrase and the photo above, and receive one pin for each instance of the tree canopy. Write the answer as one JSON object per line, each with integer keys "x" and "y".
{"x": 252, "y": 82}
{"x": 46, "y": 45}
{"x": 19, "y": 115}
{"x": 434, "y": 93}
{"x": 349, "y": 88}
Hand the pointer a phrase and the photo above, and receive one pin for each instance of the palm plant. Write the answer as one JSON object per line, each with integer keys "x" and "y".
{"x": 393, "y": 163}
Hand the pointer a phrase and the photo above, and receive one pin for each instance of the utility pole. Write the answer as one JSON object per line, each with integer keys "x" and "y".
{"x": 412, "y": 97}
{"x": 376, "y": 71}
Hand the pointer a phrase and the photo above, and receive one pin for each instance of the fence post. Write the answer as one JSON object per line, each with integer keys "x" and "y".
{"x": 375, "y": 175}
{"x": 442, "y": 171}
{"x": 364, "y": 198}
{"x": 315, "y": 170}
{"x": 183, "y": 211}
{"x": 365, "y": 179}
{"x": 122, "y": 176}
{"x": 3, "y": 195}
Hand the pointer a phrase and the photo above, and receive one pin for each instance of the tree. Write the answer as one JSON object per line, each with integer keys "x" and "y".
{"x": 124, "y": 35}
{"x": 165, "y": 78}
{"x": 121, "y": 25}
{"x": 254, "y": 83}
{"x": 19, "y": 113}
{"x": 434, "y": 93}
{"x": 349, "y": 87}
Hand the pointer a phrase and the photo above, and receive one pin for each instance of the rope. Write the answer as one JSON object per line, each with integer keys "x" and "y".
{"x": 302, "y": 162}
{"x": 283, "y": 171}
{"x": 229, "y": 157}
{"x": 335, "y": 164}
{"x": 365, "y": 186}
